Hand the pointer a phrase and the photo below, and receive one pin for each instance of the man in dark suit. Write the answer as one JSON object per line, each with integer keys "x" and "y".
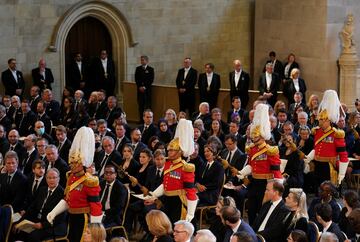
{"x": 35, "y": 180}
{"x": 15, "y": 109}
{"x": 113, "y": 197}
{"x": 148, "y": 129}
{"x": 52, "y": 106}
{"x": 231, "y": 217}
{"x": 101, "y": 109}
{"x": 203, "y": 113}
{"x": 12, "y": 183}
{"x": 277, "y": 65}
{"x": 136, "y": 143}
{"x": 102, "y": 129}
{"x": 55, "y": 161}
{"x": 39, "y": 131}
{"x": 25, "y": 123}
{"x": 273, "y": 217}
{"x": 41, "y": 144}
{"x": 62, "y": 143}
{"x": 209, "y": 85}
{"x": 30, "y": 156}
{"x": 15, "y": 145}
{"x": 239, "y": 84}
{"x": 13, "y": 80}
{"x": 48, "y": 197}
{"x": 104, "y": 73}
{"x": 76, "y": 74}
{"x": 121, "y": 139}
{"x": 112, "y": 110}
{"x": 107, "y": 156}
{"x": 144, "y": 77}
{"x": 5, "y": 121}
{"x": 34, "y": 98}
{"x": 216, "y": 114}
{"x": 209, "y": 178}
{"x": 80, "y": 101}
{"x": 42, "y": 76}
{"x": 269, "y": 85}
{"x": 323, "y": 213}
{"x": 296, "y": 102}
{"x": 236, "y": 109}
{"x": 42, "y": 116}
{"x": 185, "y": 83}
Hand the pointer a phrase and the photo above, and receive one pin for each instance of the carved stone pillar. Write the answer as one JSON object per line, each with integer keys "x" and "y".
{"x": 348, "y": 65}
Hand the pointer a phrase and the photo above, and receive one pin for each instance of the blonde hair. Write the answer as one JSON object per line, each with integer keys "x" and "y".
{"x": 293, "y": 72}
{"x": 313, "y": 96}
{"x": 158, "y": 223}
{"x": 300, "y": 198}
{"x": 98, "y": 232}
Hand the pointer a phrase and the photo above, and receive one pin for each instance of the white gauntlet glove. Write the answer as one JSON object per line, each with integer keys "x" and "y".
{"x": 244, "y": 172}
{"x": 191, "y": 207}
{"x": 342, "y": 171}
{"x": 158, "y": 192}
{"x": 62, "y": 206}
{"x": 309, "y": 157}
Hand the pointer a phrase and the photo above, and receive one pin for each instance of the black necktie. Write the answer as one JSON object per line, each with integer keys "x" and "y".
{"x": 35, "y": 186}
{"x": 158, "y": 174}
{"x": 104, "y": 198}
{"x": 9, "y": 180}
{"x": 12, "y": 148}
{"x": 104, "y": 160}
{"x": 206, "y": 169}
{"x": 145, "y": 128}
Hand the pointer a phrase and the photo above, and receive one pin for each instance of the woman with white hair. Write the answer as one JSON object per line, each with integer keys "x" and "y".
{"x": 294, "y": 84}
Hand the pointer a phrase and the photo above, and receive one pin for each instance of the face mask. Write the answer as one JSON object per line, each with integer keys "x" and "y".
{"x": 40, "y": 131}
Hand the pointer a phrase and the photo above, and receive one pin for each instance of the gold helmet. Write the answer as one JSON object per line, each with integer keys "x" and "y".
{"x": 323, "y": 115}
{"x": 83, "y": 147}
{"x": 174, "y": 145}
{"x": 255, "y": 132}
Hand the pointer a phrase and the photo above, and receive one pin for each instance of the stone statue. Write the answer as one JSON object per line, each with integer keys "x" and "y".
{"x": 347, "y": 35}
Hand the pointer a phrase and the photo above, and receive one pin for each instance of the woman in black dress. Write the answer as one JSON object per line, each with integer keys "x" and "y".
{"x": 145, "y": 159}
{"x": 296, "y": 202}
{"x": 129, "y": 165}
{"x": 350, "y": 201}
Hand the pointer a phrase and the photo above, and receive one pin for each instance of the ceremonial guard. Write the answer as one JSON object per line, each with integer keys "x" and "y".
{"x": 178, "y": 182}
{"x": 329, "y": 154}
{"x": 82, "y": 189}
{"x": 263, "y": 160}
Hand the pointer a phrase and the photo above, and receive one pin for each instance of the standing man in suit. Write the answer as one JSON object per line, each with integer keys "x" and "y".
{"x": 13, "y": 80}
{"x": 144, "y": 77}
{"x": 185, "y": 83}
{"x": 269, "y": 85}
{"x": 55, "y": 161}
{"x": 62, "y": 143}
{"x": 209, "y": 85}
{"x": 239, "y": 84}
{"x": 42, "y": 76}
{"x": 104, "y": 74}
{"x": 12, "y": 183}
{"x": 277, "y": 65}
{"x": 274, "y": 216}
{"x": 48, "y": 197}
{"x": 231, "y": 217}
{"x": 76, "y": 75}
{"x": 113, "y": 197}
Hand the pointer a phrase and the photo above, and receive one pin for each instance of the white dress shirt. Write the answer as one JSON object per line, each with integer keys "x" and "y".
{"x": 79, "y": 65}
{"x": 209, "y": 78}
{"x": 104, "y": 64}
{"x": 107, "y": 203}
{"x": 237, "y": 77}
{"x": 13, "y": 72}
{"x": 186, "y": 71}
{"x": 268, "y": 80}
{"x": 296, "y": 84}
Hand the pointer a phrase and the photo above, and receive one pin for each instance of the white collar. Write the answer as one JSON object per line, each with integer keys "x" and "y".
{"x": 277, "y": 202}
{"x": 52, "y": 190}
{"x": 328, "y": 224}
{"x": 235, "y": 229}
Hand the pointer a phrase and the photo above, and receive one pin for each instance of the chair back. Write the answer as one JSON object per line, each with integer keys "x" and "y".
{"x": 355, "y": 181}
{"x": 313, "y": 232}
{"x": 6, "y": 213}
{"x": 260, "y": 238}
{"x": 126, "y": 205}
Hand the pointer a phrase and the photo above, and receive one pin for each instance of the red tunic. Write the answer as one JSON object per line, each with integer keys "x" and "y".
{"x": 332, "y": 148}
{"x": 180, "y": 178}
{"x": 264, "y": 161}
{"x": 84, "y": 198}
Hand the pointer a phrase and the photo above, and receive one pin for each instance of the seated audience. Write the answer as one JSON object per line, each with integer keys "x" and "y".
{"x": 323, "y": 213}
{"x": 204, "y": 235}
{"x": 159, "y": 226}
{"x": 136, "y": 143}
{"x": 209, "y": 178}
{"x": 141, "y": 177}
{"x": 129, "y": 166}
{"x": 113, "y": 197}
{"x": 297, "y": 236}
{"x": 55, "y": 161}
{"x": 121, "y": 139}
{"x": 354, "y": 221}
{"x": 30, "y": 156}
{"x": 62, "y": 142}
{"x": 164, "y": 133}
{"x": 351, "y": 202}
{"x": 231, "y": 217}
{"x": 170, "y": 117}
{"x": 148, "y": 129}
{"x": 107, "y": 156}
{"x": 236, "y": 108}
{"x": 328, "y": 237}
{"x": 183, "y": 231}
{"x": 296, "y": 202}
{"x": 95, "y": 232}
{"x": 12, "y": 182}
{"x": 273, "y": 217}
{"x": 35, "y": 181}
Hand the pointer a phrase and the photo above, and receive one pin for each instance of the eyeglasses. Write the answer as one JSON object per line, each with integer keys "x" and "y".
{"x": 178, "y": 231}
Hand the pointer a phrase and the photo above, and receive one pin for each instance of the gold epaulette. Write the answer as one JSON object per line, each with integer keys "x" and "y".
{"x": 339, "y": 133}
{"x": 313, "y": 130}
{"x": 91, "y": 181}
{"x": 272, "y": 150}
{"x": 188, "y": 167}
{"x": 68, "y": 174}
{"x": 247, "y": 148}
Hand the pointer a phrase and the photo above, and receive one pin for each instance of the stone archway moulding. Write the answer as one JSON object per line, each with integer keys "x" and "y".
{"x": 113, "y": 19}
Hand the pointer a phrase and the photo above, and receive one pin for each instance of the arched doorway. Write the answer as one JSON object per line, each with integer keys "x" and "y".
{"x": 117, "y": 25}
{"x": 88, "y": 36}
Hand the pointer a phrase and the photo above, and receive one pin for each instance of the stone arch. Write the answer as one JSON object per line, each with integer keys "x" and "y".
{"x": 118, "y": 27}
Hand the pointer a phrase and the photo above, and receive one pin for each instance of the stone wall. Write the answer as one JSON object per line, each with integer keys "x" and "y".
{"x": 209, "y": 31}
